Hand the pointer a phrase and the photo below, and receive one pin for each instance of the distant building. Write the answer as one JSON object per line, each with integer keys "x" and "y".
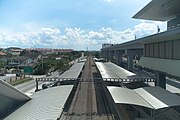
{"x": 106, "y": 45}
{"x": 14, "y": 51}
{"x": 2, "y": 54}
{"x": 18, "y": 62}
{"x": 162, "y": 50}
{"x": 34, "y": 56}
{"x": 50, "y": 50}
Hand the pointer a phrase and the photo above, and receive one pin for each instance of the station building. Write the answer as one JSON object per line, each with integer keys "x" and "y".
{"x": 159, "y": 52}
{"x": 162, "y": 50}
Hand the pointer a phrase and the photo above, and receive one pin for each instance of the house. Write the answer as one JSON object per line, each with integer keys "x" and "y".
{"x": 2, "y": 54}
{"x": 14, "y": 51}
{"x": 34, "y": 56}
{"x": 19, "y": 62}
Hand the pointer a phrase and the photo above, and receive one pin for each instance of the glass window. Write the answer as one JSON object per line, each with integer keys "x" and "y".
{"x": 176, "y": 49}
{"x": 156, "y": 50}
{"x": 162, "y": 50}
{"x": 168, "y": 49}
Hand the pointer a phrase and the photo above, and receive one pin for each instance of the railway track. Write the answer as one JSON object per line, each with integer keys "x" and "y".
{"x": 89, "y": 101}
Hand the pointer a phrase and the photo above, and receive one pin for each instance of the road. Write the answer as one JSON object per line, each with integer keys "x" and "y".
{"x": 29, "y": 87}
{"x": 7, "y": 77}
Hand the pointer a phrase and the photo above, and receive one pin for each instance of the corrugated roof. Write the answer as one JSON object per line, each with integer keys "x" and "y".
{"x": 10, "y": 92}
{"x": 158, "y": 97}
{"x": 32, "y": 55}
{"x": 119, "y": 71}
{"x": 105, "y": 71}
{"x": 150, "y": 97}
{"x": 127, "y": 96}
{"x": 74, "y": 71}
{"x": 111, "y": 70}
{"x": 10, "y": 98}
{"x": 45, "y": 105}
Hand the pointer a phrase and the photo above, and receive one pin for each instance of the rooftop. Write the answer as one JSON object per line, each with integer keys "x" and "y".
{"x": 150, "y": 97}
{"x": 45, "y": 105}
{"x": 159, "y": 10}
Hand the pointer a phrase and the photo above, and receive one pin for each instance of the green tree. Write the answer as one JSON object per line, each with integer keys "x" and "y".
{"x": 2, "y": 63}
{"x": 24, "y": 52}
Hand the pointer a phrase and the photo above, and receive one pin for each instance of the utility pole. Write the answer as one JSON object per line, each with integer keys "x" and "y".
{"x": 42, "y": 63}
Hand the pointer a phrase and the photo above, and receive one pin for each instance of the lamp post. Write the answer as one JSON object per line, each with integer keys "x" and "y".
{"x": 42, "y": 63}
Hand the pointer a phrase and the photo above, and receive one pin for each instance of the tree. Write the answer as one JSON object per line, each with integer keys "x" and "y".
{"x": 2, "y": 63}
{"x": 24, "y": 52}
{"x": 61, "y": 65}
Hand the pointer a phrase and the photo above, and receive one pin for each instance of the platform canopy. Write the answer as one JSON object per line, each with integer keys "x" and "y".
{"x": 150, "y": 97}
{"x": 46, "y": 104}
{"x": 74, "y": 71}
{"x": 10, "y": 98}
{"x": 105, "y": 71}
{"x": 111, "y": 70}
{"x": 160, "y": 10}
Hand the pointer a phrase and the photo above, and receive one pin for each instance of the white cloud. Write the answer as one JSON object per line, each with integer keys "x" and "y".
{"x": 108, "y": 1}
{"x": 96, "y": 35}
{"x": 147, "y": 28}
{"x": 76, "y": 38}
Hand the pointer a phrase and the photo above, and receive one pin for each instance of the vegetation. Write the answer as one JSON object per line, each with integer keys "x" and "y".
{"x": 51, "y": 63}
{"x": 26, "y": 51}
{"x": 2, "y": 63}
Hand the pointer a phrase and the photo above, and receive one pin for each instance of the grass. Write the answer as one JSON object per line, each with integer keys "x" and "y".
{"x": 20, "y": 81}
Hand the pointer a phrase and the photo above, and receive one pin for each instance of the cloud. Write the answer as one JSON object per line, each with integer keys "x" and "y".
{"x": 76, "y": 38}
{"x": 147, "y": 28}
{"x": 108, "y": 1}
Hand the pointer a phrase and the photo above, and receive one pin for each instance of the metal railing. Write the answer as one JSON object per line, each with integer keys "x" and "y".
{"x": 140, "y": 79}
{"x": 115, "y": 80}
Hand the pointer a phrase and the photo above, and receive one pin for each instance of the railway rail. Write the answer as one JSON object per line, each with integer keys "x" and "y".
{"x": 90, "y": 101}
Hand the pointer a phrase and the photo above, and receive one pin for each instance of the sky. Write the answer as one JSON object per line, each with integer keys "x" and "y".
{"x": 72, "y": 24}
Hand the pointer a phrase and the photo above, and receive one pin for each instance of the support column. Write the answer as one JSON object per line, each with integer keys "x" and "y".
{"x": 36, "y": 85}
{"x": 161, "y": 80}
{"x": 105, "y": 55}
{"x": 130, "y": 62}
{"x": 110, "y": 55}
{"x": 119, "y": 54}
{"x": 130, "y": 56}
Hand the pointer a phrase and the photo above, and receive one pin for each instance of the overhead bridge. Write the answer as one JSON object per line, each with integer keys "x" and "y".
{"x": 115, "y": 80}
{"x": 103, "y": 79}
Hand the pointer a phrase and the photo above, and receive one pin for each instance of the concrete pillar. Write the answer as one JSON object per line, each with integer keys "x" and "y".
{"x": 36, "y": 85}
{"x": 118, "y": 55}
{"x": 161, "y": 80}
{"x": 102, "y": 54}
{"x": 110, "y": 55}
{"x": 130, "y": 62}
{"x": 130, "y": 56}
{"x": 106, "y": 55}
